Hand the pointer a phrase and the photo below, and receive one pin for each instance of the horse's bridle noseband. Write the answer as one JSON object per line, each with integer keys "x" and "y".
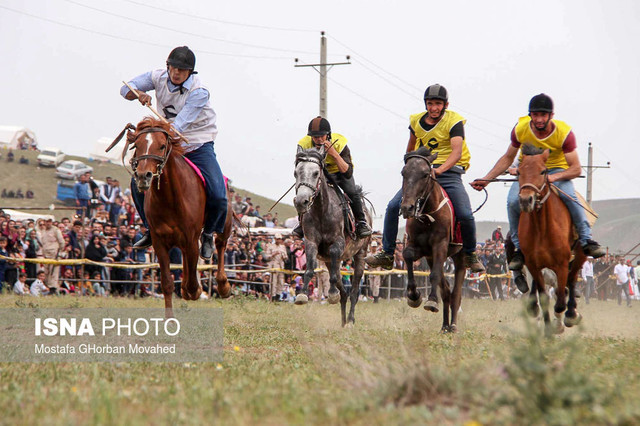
{"x": 538, "y": 191}
{"x": 162, "y": 161}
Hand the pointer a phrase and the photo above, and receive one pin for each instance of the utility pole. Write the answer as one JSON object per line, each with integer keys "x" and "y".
{"x": 590, "y": 168}
{"x": 323, "y": 68}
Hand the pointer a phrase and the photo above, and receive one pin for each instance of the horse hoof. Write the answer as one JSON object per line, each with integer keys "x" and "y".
{"x": 432, "y": 306}
{"x": 224, "y": 291}
{"x": 570, "y": 322}
{"x": 559, "y": 327}
{"x": 349, "y": 324}
{"x": 453, "y": 328}
{"x": 414, "y": 303}
{"x": 302, "y": 299}
{"x": 533, "y": 310}
{"x": 334, "y": 298}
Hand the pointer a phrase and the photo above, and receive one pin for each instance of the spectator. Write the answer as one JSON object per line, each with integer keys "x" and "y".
{"x": 497, "y": 234}
{"x": 98, "y": 287}
{"x": 20, "y": 287}
{"x": 97, "y": 252}
{"x": 67, "y": 286}
{"x": 82, "y": 191}
{"x": 276, "y": 254}
{"x": 52, "y": 245}
{"x": 587, "y": 277}
{"x": 622, "y": 281}
{"x": 3, "y": 262}
{"x": 38, "y": 287}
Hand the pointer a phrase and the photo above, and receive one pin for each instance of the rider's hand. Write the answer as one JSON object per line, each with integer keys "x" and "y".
{"x": 479, "y": 184}
{"x": 144, "y": 98}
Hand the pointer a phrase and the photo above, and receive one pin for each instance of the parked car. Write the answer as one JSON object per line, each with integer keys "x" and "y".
{"x": 50, "y": 157}
{"x": 72, "y": 169}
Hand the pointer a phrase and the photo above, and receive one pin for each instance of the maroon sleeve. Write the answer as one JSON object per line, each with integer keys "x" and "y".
{"x": 514, "y": 139}
{"x": 569, "y": 144}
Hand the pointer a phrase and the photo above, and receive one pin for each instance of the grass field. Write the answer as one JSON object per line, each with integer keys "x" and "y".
{"x": 294, "y": 365}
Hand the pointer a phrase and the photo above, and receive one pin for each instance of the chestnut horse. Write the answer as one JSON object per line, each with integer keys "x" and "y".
{"x": 174, "y": 205}
{"x": 429, "y": 234}
{"x": 547, "y": 239}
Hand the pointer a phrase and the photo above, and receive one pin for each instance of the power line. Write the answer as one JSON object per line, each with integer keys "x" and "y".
{"x": 63, "y": 24}
{"x": 220, "y": 21}
{"x": 221, "y": 40}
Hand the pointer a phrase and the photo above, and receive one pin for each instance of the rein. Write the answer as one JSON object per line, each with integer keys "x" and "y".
{"x": 162, "y": 160}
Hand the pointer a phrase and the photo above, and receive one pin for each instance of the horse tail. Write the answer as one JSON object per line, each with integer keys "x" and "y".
{"x": 363, "y": 194}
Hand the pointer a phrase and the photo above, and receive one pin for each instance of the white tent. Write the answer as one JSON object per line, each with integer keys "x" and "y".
{"x": 113, "y": 156}
{"x": 18, "y": 215}
{"x": 16, "y": 137}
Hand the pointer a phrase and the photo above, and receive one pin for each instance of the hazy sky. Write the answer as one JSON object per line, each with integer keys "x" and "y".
{"x": 64, "y": 60}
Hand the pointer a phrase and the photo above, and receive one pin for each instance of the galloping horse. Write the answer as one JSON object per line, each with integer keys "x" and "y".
{"x": 324, "y": 235}
{"x": 174, "y": 205}
{"x": 547, "y": 239}
{"x": 429, "y": 233}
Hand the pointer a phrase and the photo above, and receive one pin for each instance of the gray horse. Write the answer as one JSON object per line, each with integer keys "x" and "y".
{"x": 324, "y": 235}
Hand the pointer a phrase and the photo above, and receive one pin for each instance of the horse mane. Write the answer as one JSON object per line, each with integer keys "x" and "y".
{"x": 423, "y": 151}
{"x": 528, "y": 149}
{"x": 148, "y": 122}
{"x": 310, "y": 152}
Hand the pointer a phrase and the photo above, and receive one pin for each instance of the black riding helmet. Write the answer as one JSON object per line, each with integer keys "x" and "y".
{"x": 182, "y": 58}
{"x": 541, "y": 103}
{"x": 319, "y": 126}
{"x": 436, "y": 91}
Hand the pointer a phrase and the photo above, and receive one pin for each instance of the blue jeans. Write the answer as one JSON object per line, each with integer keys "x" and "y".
{"x": 578, "y": 215}
{"x": 452, "y": 183}
{"x": 216, "y": 205}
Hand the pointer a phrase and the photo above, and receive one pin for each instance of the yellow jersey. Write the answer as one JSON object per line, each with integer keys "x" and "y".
{"x": 339, "y": 142}
{"x": 553, "y": 142}
{"x": 438, "y": 139}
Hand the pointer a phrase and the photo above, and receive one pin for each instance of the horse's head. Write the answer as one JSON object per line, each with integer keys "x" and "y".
{"x": 153, "y": 142}
{"x": 532, "y": 176}
{"x": 308, "y": 174}
{"x": 417, "y": 180}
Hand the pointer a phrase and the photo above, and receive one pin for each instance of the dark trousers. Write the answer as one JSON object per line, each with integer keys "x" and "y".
{"x": 349, "y": 188}
{"x": 623, "y": 288}
{"x": 216, "y": 205}
{"x": 496, "y": 284}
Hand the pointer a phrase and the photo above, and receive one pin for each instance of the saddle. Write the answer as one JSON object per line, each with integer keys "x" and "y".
{"x": 345, "y": 203}
{"x": 456, "y": 233}
{"x": 199, "y": 173}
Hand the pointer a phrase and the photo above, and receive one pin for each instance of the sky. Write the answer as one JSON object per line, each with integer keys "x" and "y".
{"x": 64, "y": 61}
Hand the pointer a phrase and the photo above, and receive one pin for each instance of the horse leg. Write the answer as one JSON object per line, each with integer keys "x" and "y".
{"x": 311, "y": 251}
{"x": 166, "y": 278}
{"x": 335, "y": 282}
{"x": 191, "y": 289}
{"x": 358, "y": 271}
{"x": 414, "y": 299}
{"x": 437, "y": 275}
{"x": 572, "y": 316}
{"x": 224, "y": 288}
{"x": 456, "y": 292}
{"x": 561, "y": 296}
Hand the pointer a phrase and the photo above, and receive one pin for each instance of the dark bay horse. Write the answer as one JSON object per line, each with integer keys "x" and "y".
{"x": 324, "y": 235}
{"x": 174, "y": 205}
{"x": 429, "y": 234}
{"x": 547, "y": 239}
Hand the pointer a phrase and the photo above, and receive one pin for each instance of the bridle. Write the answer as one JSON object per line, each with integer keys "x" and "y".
{"x": 162, "y": 160}
{"x": 421, "y": 201}
{"x": 316, "y": 188}
{"x": 538, "y": 191}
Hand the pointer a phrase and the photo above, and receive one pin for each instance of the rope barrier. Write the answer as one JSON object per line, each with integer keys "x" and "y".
{"x": 173, "y": 266}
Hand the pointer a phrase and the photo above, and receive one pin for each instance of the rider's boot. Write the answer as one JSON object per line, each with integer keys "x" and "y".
{"x": 363, "y": 229}
{"x": 206, "y": 249}
{"x": 297, "y": 231}
{"x": 381, "y": 259}
{"x": 143, "y": 242}
{"x": 517, "y": 262}
{"x": 471, "y": 261}
{"x": 593, "y": 249}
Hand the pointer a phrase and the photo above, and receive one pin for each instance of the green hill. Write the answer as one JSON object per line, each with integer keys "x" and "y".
{"x": 43, "y": 182}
